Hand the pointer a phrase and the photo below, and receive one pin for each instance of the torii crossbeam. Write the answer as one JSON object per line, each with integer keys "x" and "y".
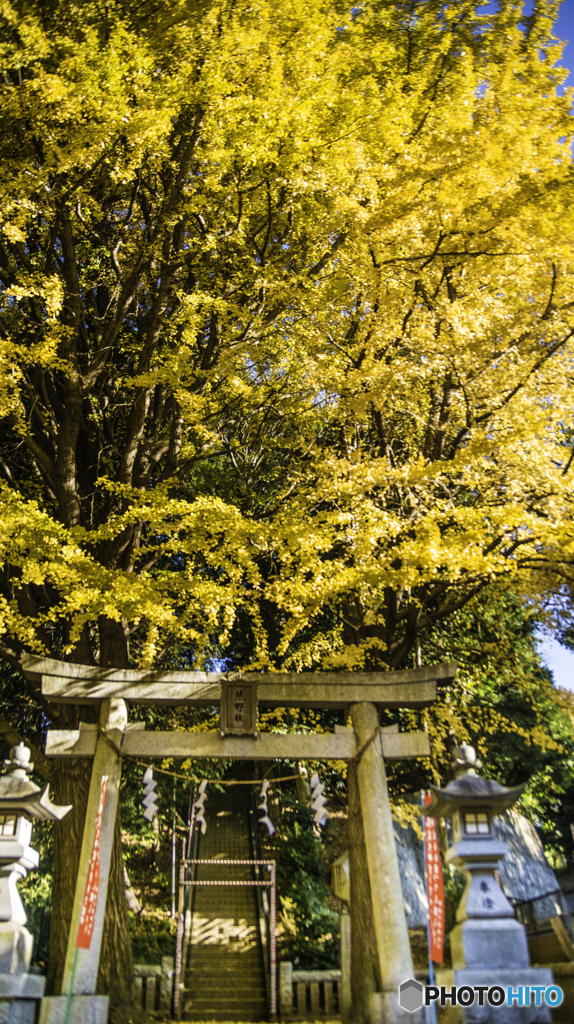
{"x": 239, "y": 696}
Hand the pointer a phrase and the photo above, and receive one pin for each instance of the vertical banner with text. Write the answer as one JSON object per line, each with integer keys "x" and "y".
{"x": 435, "y": 889}
{"x": 88, "y": 913}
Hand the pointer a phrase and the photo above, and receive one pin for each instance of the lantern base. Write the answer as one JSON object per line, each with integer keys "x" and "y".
{"x": 481, "y": 944}
{"x": 83, "y": 1010}
{"x": 19, "y": 997}
{"x": 15, "y": 948}
{"x": 514, "y": 1014}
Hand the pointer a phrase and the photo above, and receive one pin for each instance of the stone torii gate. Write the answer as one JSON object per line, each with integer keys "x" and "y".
{"x": 239, "y": 697}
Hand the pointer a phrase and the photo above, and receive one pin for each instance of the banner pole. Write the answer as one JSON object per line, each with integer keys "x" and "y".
{"x": 272, "y": 939}
{"x": 431, "y": 964}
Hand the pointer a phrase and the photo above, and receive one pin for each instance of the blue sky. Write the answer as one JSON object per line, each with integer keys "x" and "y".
{"x": 559, "y": 660}
{"x": 565, "y": 29}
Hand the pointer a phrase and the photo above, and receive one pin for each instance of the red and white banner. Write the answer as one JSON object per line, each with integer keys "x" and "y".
{"x": 435, "y": 889}
{"x": 88, "y": 914}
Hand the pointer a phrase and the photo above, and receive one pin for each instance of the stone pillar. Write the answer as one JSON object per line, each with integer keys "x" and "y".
{"x": 285, "y": 990}
{"x": 166, "y": 984}
{"x": 393, "y": 949}
{"x": 345, "y": 1003}
{"x": 86, "y": 1007}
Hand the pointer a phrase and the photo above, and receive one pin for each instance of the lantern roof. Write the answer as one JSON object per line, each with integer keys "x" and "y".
{"x": 470, "y": 791}
{"x": 19, "y": 795}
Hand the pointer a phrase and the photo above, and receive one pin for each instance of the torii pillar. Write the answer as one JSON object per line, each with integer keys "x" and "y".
{"x": 390, "y": 924}
{"x": 79, "y": 1004}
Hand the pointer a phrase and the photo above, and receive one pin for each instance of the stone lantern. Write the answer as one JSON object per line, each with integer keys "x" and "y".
{"x": 488, "y": 945}
{"x": 21, "y": 802}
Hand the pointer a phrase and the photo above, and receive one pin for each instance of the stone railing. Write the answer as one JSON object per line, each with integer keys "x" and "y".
{"x": 154, "y": 985}
{"x": 308, "y": 994}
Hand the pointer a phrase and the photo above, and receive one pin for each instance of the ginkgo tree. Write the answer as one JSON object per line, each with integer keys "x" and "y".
{"x": 285, "y": 335}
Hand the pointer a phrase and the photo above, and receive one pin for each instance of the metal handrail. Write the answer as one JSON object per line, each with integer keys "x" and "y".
{"x": 524, "y": 909}
{"x": 185, "y": 901}
{"x": 271, "y": 884}
{"x": 262, "y": 910}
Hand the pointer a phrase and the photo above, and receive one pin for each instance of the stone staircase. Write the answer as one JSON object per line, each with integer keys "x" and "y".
{"x": 224, "y": 975}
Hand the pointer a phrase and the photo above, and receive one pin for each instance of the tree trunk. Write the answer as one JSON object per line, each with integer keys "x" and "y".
{"x": 71, "y": 784}
{"x": 116, "y": 974}
{"x": 364, "y": 960}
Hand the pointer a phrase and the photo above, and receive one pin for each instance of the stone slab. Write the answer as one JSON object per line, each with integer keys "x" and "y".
{"x": 317, "y": 976}
{"x": 505, "y": 1014}
{"x": 477, "y": 944}
{"x": 38, "y": 668}
{"x": 265, "y": 747}
{"x": 83, "y": 1010}
{"x": 71, "y": 742}
{"x": 63, "y": 682}
{"x": 384, "y": 1009}
{"x": 16, "y": 942}
{"x": 22, "y": 986}
{"x": 20, "y": 1011}
{"x": 272, "y": 693}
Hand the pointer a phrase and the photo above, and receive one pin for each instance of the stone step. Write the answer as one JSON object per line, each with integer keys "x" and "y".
{"x": 232, "y": 953}
{"x": 225, "y": 1015}
{"x": 229, "y": 958}
{"x": 220, "y": 949}
{"x": 223, "y": 968}
{"x": 238, "y": 994}
{"x": 197, "y": 976}
{"x": 248, "y": 1007}
{"x": 229, "y": 983}
{"x": 223, "y": 996}
{"x": 223, "y": 954}
{"x": 207, "y": 968}
{"x": 244, "y": 1001}
{"x": 225, "y": 976}
{"x": 224, "y": 982}
{"x": 208, "y": 1012}
{"x": 216, "y": 967}
{"x": 209, "y": 1003}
